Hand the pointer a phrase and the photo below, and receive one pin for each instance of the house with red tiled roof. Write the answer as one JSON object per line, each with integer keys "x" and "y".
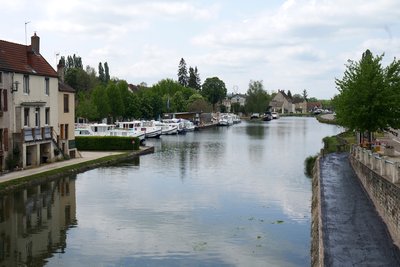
{"x": 29, "y": 122}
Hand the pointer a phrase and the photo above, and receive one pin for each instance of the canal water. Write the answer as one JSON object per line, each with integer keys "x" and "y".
{"x": 234, "y": 196}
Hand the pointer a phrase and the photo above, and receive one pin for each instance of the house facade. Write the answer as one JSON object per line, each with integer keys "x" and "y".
{"x": 66, "y": 116}
{"x": 30, "y": 125}
{"x": 282, "y": 103}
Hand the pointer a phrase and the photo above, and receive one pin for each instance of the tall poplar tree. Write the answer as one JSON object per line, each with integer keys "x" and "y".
{"x": 102, "y": 76}
{"x": 106, "y": 73}
{"x": 183, "y": 73}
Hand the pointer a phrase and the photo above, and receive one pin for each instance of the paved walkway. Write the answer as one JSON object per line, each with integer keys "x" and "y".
{"x": 86, "y": 156}
{"x": 353, "y": 232}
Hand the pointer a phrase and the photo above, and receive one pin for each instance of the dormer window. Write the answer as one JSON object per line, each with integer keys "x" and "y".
{"x": 26, "y": 84}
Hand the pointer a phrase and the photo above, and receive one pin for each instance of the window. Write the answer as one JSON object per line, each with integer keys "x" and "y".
{"x": 5, "y": 104}
{"x": 26, "y": 117}
{"x": 1, "y": 77}
{"x": 66, "y": 103}
{"x": 47, "y": 86}
{"x": 37, "y": 117}
{"x": 26, "y": 84}
{"x": 66, "y": 131}
{"x": 47, "y": 116}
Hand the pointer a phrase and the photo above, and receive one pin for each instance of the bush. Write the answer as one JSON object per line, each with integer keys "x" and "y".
{"x": 309, "y": 164}
{"x": 106, "y": 143}
{"x": 330, "y": 144}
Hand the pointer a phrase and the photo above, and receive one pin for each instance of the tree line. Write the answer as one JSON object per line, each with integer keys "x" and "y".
{"x": 99, "y": 96}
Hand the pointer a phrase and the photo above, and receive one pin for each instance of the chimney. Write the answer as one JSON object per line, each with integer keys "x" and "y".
{"x": 35, "y": 44}
{"x": 60, "y": 72}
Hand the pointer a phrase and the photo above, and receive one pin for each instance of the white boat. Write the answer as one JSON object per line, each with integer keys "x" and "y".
{"x": 236, "y": 119}
{"x": 275, "y": 115}
{"x": 128, "y": 133}
{"x": 102, "y": 129}
{"x": 147, "y": 127}
{"x": 95, "y": 129}
{"x": 178, "y": 123}
{"x": 188, "y": 126}
{"x": 166, "y": 128}
{"x": 225, "y": 120}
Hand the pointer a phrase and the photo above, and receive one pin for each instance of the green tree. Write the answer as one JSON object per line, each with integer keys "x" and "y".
{"x": 106, "y": 73}
{"x": 214, "y": 90}
{"x": 194, "y": 79}
{"x": 133, "y": 108}
{"x": 369, "y": 95}
{"x": 102, "y": 76}
{"x": 257, "y": 98}
{"x": 122, "y": 86}
{"x": 305, "y": 95}
{"x": 100, "y": 100}
{"x": 199, "y": 105}
{"x": 297, "y": 98}
{"x": 194, "y": 97}
{"x": 182, "y": 73}
{"x": 289, "y": 94}
{"x": 179, "y": 103}
{"x": 115, "y": 101}
{"x": 86, "y": 107}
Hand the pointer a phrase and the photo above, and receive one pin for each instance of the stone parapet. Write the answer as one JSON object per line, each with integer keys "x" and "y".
{"x": 379, "y": 177}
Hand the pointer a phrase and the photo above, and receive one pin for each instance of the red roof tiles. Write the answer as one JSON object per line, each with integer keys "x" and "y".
{"x": 21, "y": 59}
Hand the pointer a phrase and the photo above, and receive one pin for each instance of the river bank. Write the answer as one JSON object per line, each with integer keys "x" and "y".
{"x": 89, "y": 160}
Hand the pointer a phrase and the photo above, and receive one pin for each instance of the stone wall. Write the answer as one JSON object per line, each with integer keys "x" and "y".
{"x": 317, "y": 248}
{"x": 383, "y": 192}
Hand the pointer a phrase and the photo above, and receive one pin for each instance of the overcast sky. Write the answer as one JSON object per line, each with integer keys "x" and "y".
{"x": 290, "y": 45}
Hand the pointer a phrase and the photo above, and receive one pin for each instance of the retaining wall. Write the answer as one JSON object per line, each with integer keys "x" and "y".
{"x": 317, "y": 245}
{"x": 380, "y": 178}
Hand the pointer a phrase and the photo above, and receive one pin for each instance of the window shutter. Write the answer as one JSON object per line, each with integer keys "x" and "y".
{"x": 5, "y": 139}
{"x": 5, "y": 108}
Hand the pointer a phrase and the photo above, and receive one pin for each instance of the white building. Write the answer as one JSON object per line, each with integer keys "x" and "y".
{"x": 30, "y": 91}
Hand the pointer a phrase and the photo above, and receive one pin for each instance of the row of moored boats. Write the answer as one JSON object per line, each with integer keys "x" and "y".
{"x": 140, "y": 129}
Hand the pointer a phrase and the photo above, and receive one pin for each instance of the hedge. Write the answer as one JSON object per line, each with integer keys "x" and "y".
{"x": 106, "y": 143}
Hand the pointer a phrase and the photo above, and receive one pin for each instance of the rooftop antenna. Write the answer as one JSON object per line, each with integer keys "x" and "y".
{"x": 26, "y": 22}
{"x": 57, "y": 54}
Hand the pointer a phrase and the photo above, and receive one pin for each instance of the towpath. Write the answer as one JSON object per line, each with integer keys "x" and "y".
{"x": 86, "y": 156}
{"x": 353, "y": 232}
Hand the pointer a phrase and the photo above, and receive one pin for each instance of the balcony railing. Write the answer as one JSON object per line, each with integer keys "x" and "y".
{"x": 37, "y": 134}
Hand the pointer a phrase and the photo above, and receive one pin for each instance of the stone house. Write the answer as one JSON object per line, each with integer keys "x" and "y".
{"x": 282, "y": 103}
{"x": 233, "y": 99}
{"x": 30, "y": 96}
{"x": 300, "y": 106}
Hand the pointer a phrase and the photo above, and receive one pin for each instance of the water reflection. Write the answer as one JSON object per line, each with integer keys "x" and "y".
{"x": 256, "y": 130}
{"x": 34, "y": 221}
{"x": 232, "y": 196}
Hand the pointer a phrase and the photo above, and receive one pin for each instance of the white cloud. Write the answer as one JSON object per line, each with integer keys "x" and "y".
{"x": 295, "y": 45}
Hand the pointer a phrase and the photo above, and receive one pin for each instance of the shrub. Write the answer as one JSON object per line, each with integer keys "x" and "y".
{"x": 106, "y": 143}
{"x": 330, "y": 144}
{"x": 309, "y": 163}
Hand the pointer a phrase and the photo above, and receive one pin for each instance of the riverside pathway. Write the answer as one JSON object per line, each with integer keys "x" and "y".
{"x": 353, "y": 232}
{"x": 86, "y": 156}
